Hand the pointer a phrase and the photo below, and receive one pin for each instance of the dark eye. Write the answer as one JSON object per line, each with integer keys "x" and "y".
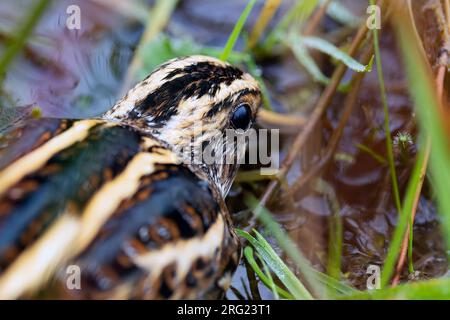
{"x": 241, "y": 117}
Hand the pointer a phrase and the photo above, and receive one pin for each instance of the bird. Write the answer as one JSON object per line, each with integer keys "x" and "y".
{"x": 123, "y": 206}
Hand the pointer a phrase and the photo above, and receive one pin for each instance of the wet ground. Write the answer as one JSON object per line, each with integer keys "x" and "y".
{"x": 79, "y": 73}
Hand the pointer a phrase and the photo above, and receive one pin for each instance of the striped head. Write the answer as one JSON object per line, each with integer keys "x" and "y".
{"x": 201, "y": 108}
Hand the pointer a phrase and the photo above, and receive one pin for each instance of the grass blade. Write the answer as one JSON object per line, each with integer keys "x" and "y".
{"x": 435, "y": 289}
{"x": 266, "y": 15}
{"x": 298, "y": 47}
{"x": 237, "y": 31}
{"x": 400, "y": 229}
{"x": 316, "y": 280}
{"x": 389, "y": 145}
{"x": 299, "y": 13}
{"x": 402, "y": 224}
{"x": 273, "y": 287}
{"x": 295, "y": 287}
{"x": 378, "y": 157}
{"x": 157, "y": 20}
{"x": 339, "y": 288}
{"x": 22, "y": 35}
{"x": 286, "y": 243}
{"x": 333, "y": 51}
{"x": 430, "y": 118}
{"x": 302, "y": 55}
{"x": 248, "y": 253}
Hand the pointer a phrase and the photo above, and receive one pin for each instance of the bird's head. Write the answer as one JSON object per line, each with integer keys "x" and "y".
{"x": 201, "y": 108}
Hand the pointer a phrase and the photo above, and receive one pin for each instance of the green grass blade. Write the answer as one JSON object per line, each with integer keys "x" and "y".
{"x": 268, "y": 282}
{"x": 333, "y": 51}
{"x": 237, "y": 31}
{"x": 164, "y": 47}
{"x": 21, "y": 37}
{"x": 339, "y": 288}
{"x": 402, "y": 223}
{"x": 335, "y": 228}
{"x": 427, "y": 106}
{"x": 317, "y": 281}
{"x": 298, "y": 47}
{"x": 372, "y": 153}
{"x": 290, "y": 281}
{"x": 265, "y": 16}
{"x": 389, "y": 145}
{"x": 301, "y": 11}
{"x": 302, "y": 55}
{"x": 286, "y": 244}
{"x": 394, "y": 247}
{"x": 272, "y": 284}
{"x": 335, "y": 243}
{"x": 410, "y": 245}
{"x": 157, "y": 19}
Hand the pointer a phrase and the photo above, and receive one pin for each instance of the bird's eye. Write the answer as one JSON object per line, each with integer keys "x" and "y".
{"x": 241, "y": 117}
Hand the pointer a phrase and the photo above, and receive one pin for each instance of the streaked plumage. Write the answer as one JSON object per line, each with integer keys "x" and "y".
{"x": 117, "y": 195}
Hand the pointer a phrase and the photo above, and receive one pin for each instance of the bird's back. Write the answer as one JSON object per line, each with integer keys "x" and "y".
{"x": 114, "y": 204}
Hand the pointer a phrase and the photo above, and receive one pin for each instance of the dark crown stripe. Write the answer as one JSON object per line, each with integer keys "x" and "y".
{"x": 195, "y": 80}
